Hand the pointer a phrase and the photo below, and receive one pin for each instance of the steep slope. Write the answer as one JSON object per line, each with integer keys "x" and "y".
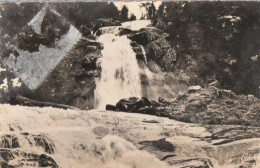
{"x": 214, "y": 41}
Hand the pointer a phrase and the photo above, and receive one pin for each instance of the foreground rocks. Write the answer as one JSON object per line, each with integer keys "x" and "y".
{"x": 199, "y": 105}
{"x": 52, "y": 137}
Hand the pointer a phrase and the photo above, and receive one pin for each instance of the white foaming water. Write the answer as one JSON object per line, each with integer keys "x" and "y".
{"x": 120, "y": 77}
{"x": 133, "y": 25}
{"x": 78, "y": 145}
{"x": 136, "y": 25}
{"x": 120, "y": 72}
{"x": 110, "y": 29}
{"x": 144, "y": 53}
{"x": 72, "y": 132}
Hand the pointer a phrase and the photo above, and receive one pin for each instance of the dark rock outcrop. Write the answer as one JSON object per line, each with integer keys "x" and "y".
{"x": 46, "y": 143}
{"x": 9, "y": 141}
{"x": 157, "y": 47}
{"x": 160, "y": 144}
{"x": 12, "y": 153}
{"x": 25, "y": 159}
{"x": 134, "y": 104}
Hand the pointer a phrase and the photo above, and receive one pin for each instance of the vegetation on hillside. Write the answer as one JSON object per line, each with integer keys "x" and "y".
{"x": 215, "y": 41}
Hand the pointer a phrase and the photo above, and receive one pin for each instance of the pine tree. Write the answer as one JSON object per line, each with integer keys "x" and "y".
{"x": 151, "y": 11}
{"x": 160, "y": 11}
{"x": 132, "y": 17}
{"x": 124, "y": 13}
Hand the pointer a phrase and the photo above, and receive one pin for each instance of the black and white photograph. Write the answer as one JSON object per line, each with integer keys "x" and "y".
{"x": 129, "y": 84}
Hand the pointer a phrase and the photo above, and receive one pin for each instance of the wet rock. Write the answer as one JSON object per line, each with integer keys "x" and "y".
{"x": 5, "y": 165}
{"x": 134, "y": 104}
{"x": 110, "y": 107}
{"x": 140, "y": 37}
{"x": 46, "y": 143}
{"x": 160, "y": 144}
{"x": 9, "y": 141}
{"x": 11, "y": 159}
{"x": 125, "y": 31}
{"x": 46, "y": 161}
{"x": 151, "y": 121}
{"x": 142, "y": 102}
{"x": 146, "y": 110}
{"x": 155, "y": 103}
{"x": 126, "y": 104}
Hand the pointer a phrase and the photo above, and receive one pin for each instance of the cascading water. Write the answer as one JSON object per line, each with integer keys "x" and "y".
{"x": 120, "y": 76}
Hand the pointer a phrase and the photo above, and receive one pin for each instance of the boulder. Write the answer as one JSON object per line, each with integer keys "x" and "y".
{"x": 160, "y": 144}
{"x": 194, "y": 88}
{"x": 45, "y": 142}
{"x": 111, "y": 107}
{"x": 91, "y": 48}
{"x": 142, "y": 102}
{"x": 146, "y": 110}
{"x": 125, "y": 31}
{"x": 9, "y": 141}
{"x": 126, "y": 104}
{"x": 133, "y": 104}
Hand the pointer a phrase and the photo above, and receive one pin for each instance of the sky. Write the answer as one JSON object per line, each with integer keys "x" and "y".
{"x": 134, "y": 7}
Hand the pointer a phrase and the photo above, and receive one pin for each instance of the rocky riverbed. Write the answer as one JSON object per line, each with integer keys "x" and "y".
{"x": 52, "y": 137}
{"x": 198, "y": 105}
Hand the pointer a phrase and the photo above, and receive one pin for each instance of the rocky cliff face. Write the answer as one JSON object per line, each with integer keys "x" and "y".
{"x": 72, "y": 82}
{"x": 53, "y": 62}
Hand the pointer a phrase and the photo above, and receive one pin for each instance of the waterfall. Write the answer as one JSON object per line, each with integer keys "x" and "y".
{"x": 120, "y": 76}
{"x": 110, "y": 29}
{"x": 144, "y": 54}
